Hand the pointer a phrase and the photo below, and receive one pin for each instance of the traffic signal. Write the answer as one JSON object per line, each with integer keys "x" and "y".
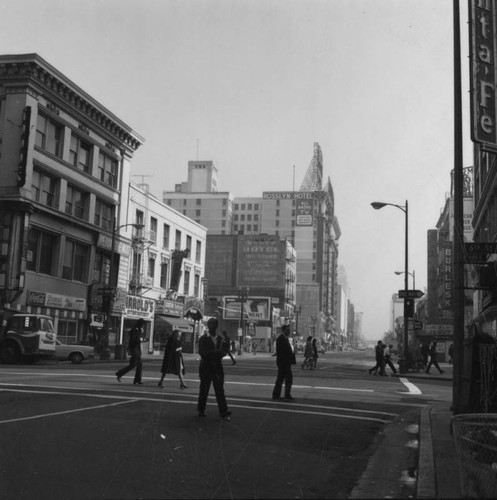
{"x": 408, "y": 308}
{"x": 23, "y": 153}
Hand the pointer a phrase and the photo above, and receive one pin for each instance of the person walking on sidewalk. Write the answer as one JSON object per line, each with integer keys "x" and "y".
{"x": 433, "y": 359}
{"x": 308, "y": 354}
{"x": 388, "y": 358}
{"x": 173, "y": 360}
{"x": 135, "y": 350}
{"x": 314, "y": 353}
{"x": 212, "y": 348}
{"x": 285, "y": 358}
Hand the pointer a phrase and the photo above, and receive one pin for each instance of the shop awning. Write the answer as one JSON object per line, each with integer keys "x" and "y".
{"x": 180, "y": 324}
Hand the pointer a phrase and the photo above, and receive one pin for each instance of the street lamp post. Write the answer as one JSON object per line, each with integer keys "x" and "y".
{"x": 105, "y": 354}
{"x": 413, "y": 274}
{"x": 242, "y": 296}
{"x": 377, "y": 205}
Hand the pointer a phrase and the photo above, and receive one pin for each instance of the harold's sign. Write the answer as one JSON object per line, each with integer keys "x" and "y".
{"x": 483, "y": 72}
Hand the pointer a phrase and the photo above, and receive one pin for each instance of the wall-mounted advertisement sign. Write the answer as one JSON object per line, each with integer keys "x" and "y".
{"x": 56, "y": 300}
{"x": 254, "y": 308}
{"x": 483, "y": 45}
{"x": 139, "y": 307}
{"x": 304, "y": 201}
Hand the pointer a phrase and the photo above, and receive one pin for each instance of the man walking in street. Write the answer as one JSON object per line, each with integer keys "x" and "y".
{"x": 388, "y": 358}
{"x": 285, "y": 358}
{"x": 135, "y": 350}
{"x": 212, "y": 348}
{"x": 433, "y": 359}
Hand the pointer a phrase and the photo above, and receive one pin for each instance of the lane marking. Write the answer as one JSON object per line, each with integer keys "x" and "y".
{"x": 232, "y": 382}
{"x": 269, "y": 406}
{"x": 54, "y": 414}
{"x": 413, "y": 389}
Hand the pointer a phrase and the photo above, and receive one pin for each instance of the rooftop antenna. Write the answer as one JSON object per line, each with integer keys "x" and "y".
{"x": 143, "y": 185}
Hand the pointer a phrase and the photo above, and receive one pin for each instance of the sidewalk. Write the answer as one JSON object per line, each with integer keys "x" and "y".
{"x": 439, "y": 474}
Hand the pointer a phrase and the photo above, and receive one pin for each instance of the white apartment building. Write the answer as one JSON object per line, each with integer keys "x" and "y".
{"x": 167, "y": 263}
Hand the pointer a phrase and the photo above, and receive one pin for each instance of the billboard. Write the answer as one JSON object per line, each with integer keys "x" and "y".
{"x": 254, "y": 308}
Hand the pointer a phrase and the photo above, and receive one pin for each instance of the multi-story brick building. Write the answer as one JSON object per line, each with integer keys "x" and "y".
{"x": 64, "y": 171}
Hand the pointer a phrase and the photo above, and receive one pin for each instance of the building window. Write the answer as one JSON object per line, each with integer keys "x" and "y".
{"x": 235, "y": 227}
{"x": 177, "y": 242}
{"x": 76, "y": 203}
{"x": 80, "y": 153}
{"x": 235, "y": 217}
{"x": 67, "y": 331}
{"x": 199, "y": 201}
{"x": 101, "y": 269}
{"x": 104, "y": 215}
{"x": 151, "y": 267}
{"x": 42, "y": 252}
{"x": 224, "y": 213}
{"x": 197, "y": 213}
{"x": 49, "y": 135}
{"x": 163, "y": 275}
{"x": 277, "y": 222}
{"x": 249, "y": 217}
{"x": 256, "y": 227}
{"x": 189, "y": 245}
{"x": 242, "y": 217}
{"x": 236, "y": 206}
{"x": 74, "y": 261}
{"x": 256, "y": 216}
{"x": 223, "y": 223}
{"x": 198, "y": 251}
{"x": 186, "y": 283}
{"x": 256, "y": 206}
{"x": 44, "y": 188}
{"x": 249, "y": 227}
{"x": 165, "y": 236}
{"x": 107, "y": 169}
{"x": 277, "y": 212}
{"x": 153, "y": 229}
{"x": 196, "y": 285}
{"x": 243, "y": 206}
{"x": 249, "y": 206}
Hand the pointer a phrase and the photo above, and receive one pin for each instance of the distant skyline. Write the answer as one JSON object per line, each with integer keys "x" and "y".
{"x": 252, "y": 85}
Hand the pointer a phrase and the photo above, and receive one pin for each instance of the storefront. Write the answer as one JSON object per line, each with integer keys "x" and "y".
{"x": 69, "y": 313}
{"x": 168, "y": 317}
{"x": 136, "y": 308}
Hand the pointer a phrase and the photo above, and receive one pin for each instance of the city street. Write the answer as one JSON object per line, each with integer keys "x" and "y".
{"x": 72, "y": 431}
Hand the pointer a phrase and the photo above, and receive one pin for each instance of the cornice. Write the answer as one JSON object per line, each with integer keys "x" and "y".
{"x": 17, "y": 72}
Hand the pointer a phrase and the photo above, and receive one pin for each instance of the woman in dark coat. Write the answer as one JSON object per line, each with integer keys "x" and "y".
{"x": 173, "y": 359}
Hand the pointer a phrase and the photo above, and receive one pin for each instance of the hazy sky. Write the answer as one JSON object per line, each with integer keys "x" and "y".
{"x": 251, "y": 85}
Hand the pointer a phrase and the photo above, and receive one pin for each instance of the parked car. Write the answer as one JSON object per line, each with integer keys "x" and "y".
{"x": 73, "y": 352}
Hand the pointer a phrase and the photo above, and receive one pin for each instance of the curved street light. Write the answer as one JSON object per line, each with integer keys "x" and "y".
{"x": 377, "y": 205}
{"x": 413, "y": 274}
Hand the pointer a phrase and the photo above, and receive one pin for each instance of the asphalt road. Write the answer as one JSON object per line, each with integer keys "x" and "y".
{"x": 72, "y": 432}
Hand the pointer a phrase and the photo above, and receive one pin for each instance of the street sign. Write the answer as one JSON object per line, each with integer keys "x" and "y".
{"x": 480, "y": 248}
{"x": 417, "y": 325}
{"x": 410, "y": 294}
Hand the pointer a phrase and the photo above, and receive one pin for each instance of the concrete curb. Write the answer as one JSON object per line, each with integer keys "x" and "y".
{"x": 426, "y": 484}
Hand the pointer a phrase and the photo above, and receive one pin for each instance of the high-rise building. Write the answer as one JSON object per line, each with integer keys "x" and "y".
{"x": 306, "y": 218}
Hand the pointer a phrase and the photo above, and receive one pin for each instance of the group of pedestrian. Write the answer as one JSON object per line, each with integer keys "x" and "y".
{"x": 383, "y": 357}
{"x": 212, "y": 348}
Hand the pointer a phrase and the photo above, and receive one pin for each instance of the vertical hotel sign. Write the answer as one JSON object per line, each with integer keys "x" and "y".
{"x": 483, "y": 50}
